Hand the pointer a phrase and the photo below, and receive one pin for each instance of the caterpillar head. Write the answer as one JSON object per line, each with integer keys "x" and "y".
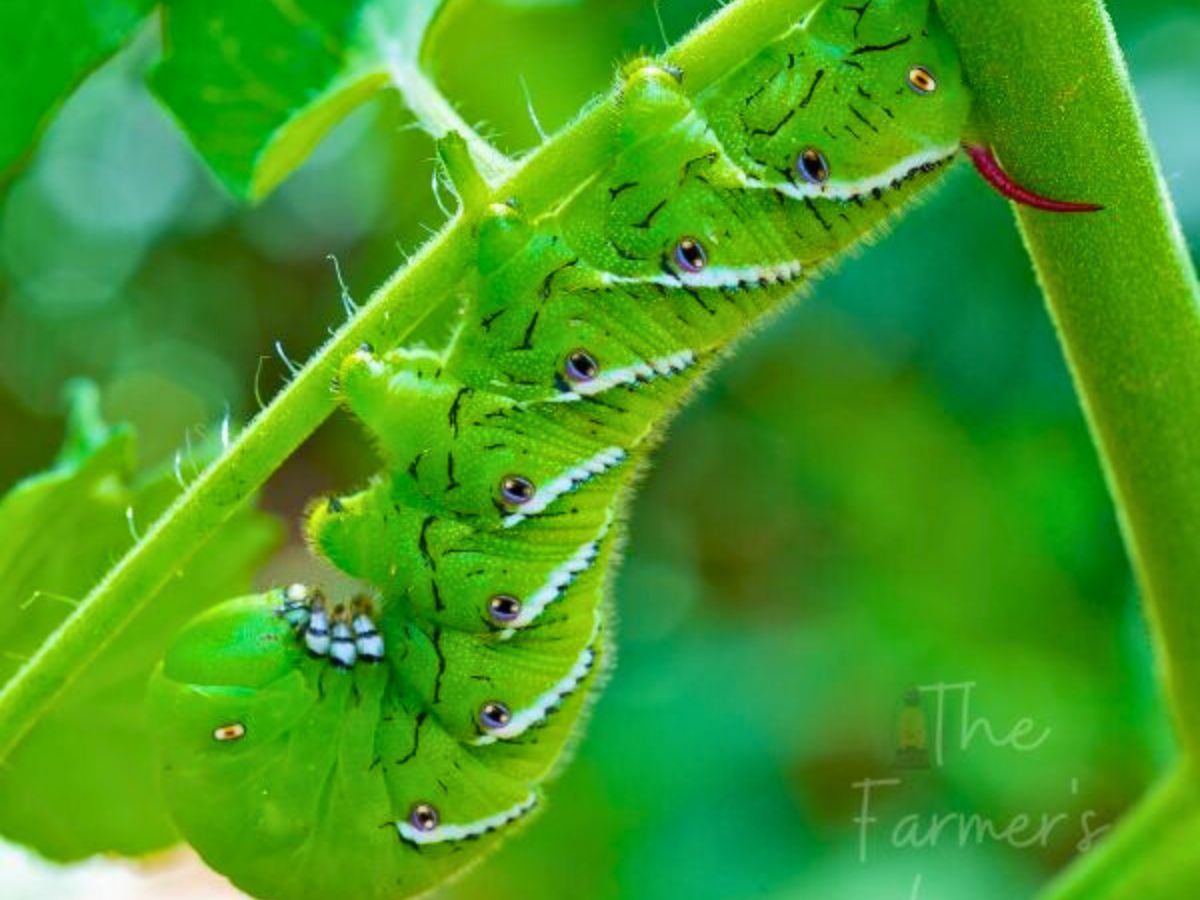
{"x": 782, "y": 164}
{"x": 858, "y": 101}
{"x": 854, "y": 102}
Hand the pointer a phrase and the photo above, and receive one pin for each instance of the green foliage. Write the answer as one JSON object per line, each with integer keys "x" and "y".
{"x": 46, "y": 49}
{"x": 257, "y": 85}
{"x": 59, "y": 532}
{"x": 952, "y": 340}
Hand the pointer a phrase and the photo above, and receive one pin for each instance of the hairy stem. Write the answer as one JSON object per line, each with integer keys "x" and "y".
{"x": 1135, "y": 862}
{"x": 440, "y": 118}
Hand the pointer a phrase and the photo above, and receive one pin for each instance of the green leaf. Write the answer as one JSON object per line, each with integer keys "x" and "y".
{"x": 83, "y": 781}
{"x": 46, "y": 49}
{"x": 257, "y": 85}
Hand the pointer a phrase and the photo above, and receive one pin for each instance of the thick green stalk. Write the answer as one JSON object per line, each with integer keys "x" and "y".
{"x": 1151, "y": 856}
{"x": 541, "y": 181}
{"x": 1055, "y": 101}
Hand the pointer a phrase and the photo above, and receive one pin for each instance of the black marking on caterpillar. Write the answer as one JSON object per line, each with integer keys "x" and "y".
{"x": 777, "y": 127}
{"x": 441, "y": 665}
{"x": 423, "y": 542}
{"x": 882, "y": 48}
{"x": 548, "y": 283}
{"x": 860, "y": 12}
{"x": 455, "y": 406}
{"x": 416, "y": 741}
{"x": 527, "y": 339}
{"x": 812, "y": 208}
{"x": 648, "y": 221}
{"x": 854, "y": 111}
{"x": 487, "y": 321}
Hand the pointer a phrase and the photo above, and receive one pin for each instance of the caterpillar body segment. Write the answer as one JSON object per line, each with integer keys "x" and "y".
{"x": 443, "y": 557}
{"x": 375, "y": 750}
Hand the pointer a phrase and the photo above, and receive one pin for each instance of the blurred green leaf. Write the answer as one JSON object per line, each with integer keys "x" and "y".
{"x": 59, "y": 532}
{"x": 46, "y": 49}
{"x": 257, "y": 85}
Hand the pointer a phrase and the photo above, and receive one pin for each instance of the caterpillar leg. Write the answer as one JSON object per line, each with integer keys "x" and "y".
{"x": 348, "y": 531}
{"x": 649, "y": 96}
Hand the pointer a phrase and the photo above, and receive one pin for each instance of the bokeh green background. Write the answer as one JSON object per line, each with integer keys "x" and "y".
{"x": 891, "y": 486}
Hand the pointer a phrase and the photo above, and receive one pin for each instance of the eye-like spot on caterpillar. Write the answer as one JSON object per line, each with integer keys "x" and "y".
{"x": 921, "y": 80}
{"x": 581, "y": 367}
{"x": 494, "y": 715}
{"x": 231, "y": 732}
{"x": 504, "y": 608}
{"x": 690, "y": 255}
{"x": 516, "y": 489}
{"x": 812, "y": 166}
{"x": 423, "y": 817}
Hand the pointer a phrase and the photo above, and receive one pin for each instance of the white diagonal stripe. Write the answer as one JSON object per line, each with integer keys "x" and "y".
{"x": 567, "y": 482}
{"x": 524, "y": 719}
{"x": 836, "y": 189}
{"x": 662, "y": 367}
{"x": 444, "y": 833}
{"x": 557, "y": 582}
{"x": 716, "y": 276}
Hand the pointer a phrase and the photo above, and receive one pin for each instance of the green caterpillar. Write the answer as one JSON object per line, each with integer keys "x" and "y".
{"x": 378, "y": 750}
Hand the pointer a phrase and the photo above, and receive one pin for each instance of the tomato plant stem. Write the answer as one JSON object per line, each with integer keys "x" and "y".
{"x": 1053, "y": 98}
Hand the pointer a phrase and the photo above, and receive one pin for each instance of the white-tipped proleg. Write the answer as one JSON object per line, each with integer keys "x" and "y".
{"x": 343, "y": 652}
{"x": 297, "y": 604}
{"x": 345, "y": 635}
{"x": 316, "y": 633}
{"x": 367, "y": 638}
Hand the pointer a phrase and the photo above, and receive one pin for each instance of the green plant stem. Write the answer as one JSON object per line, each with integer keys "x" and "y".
{"x": 1054, "y": 99}
{"x": 439, "y": 118}
{"x": 541, "y": 181}
{"x": 1133, "y": 861}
